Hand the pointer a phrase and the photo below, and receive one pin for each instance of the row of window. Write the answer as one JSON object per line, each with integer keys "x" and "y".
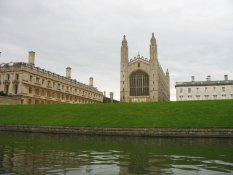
{"x": 8, "y": 77}
{"x": 52, "y": 94}
{"x": 206, "y": 96}
{"x": 15, "y": 90}
{"x": 59, "y": 86}
{"x": 37, "y": 101}
{"x": 206, "y": 89}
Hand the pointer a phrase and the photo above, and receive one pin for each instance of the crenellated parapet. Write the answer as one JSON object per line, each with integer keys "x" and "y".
{"x": 138, "y": 57}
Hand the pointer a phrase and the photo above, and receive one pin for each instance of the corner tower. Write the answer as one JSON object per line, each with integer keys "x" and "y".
{"x": 124, "y": 70}
{"x": 154, "y": 65}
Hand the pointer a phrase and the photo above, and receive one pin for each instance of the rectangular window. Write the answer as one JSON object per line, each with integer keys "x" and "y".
{"x": 30, "y": 78}
{"x": 189, "y": 90}
{"x": 16, "y": 89}
{"x": 6, "y": 89}
{"x": 42, "y": 92}
{"x": 197, "y": 90}
{"x": 49, "y": 83}
{"x": 206, "y": 89}
{"x": 37, "y": 91}
{"x": 223, "y": 89}
{"x": 37, "y": 80}
{"x": 181, "y": 90}
{"x": 8, "y": 76}
{"x": 30, "y": 90}
{"x": 17, "y": 76}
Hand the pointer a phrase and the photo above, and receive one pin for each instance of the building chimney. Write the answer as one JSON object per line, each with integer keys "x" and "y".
{"x": 68, "y": 72}
{"x": 91, "y": 81}
{"x": 208, "y": 78}
{"x": 193, "y": 78}
{"x": 31, "y": 57}
{"x": 111, "y": 97}
{"x": 226, "y": 77}
{"x": 104, "y": 93}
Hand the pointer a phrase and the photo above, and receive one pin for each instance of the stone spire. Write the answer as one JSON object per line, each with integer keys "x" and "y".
{"x": 124, "y": 70}
{"x": 153, "y": 40}
{"x": 153, "y": 48}
{"x": 124, "y": 41}
{"x": 124, "y": 51}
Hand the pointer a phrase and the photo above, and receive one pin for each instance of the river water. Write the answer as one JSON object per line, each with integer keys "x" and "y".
{"x": 47, "y": 154}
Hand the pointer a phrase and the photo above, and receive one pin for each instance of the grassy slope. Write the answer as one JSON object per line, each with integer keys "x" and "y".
{"x": 193, "y": 114}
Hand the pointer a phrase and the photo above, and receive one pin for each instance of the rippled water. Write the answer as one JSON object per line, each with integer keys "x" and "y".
{"x": 40, "y": 154}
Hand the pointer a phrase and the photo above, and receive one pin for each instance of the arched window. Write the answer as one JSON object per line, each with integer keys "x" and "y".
{"x": 139, "y": 84}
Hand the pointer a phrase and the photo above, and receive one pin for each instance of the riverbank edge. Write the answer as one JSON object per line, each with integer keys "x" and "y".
{"x": 141, "y": 132}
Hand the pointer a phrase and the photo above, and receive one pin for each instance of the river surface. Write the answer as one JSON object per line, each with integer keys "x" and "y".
{"x": 47, "y": 154}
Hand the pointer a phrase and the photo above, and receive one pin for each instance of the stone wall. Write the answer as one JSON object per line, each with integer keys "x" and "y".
{"x": 144, "y": 132}
{"x": 7, "y": 100}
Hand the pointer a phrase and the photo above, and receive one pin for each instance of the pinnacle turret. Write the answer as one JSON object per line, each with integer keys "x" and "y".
{"x": 124, "y": 41}
{"x": 153, "y": 48}
{"x": 167, "y": 73}
{"x": 153, "y": 40}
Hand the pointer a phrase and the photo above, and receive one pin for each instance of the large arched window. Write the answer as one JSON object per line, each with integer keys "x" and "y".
{"x": 139, "y": 84}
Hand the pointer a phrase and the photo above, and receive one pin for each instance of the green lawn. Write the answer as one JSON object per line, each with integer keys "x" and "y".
{"x": 192, "y": 114}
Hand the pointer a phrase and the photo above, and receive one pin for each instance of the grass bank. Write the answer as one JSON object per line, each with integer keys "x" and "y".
{"x": 192, "y": 114}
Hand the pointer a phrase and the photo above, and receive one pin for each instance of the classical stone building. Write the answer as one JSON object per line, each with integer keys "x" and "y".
{"x": 38, "y": 86}
{"x": 204, "y": 90}
{"x": 142, "y": 79}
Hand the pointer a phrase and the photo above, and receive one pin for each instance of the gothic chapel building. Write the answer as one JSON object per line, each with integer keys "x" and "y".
{"x": 143, "y": 80}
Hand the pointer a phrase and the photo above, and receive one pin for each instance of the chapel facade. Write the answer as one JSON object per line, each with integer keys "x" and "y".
{"x": 143, "y": 79}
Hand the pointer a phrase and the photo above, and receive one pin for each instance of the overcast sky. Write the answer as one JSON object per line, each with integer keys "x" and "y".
{"x": 194, "y": 37}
